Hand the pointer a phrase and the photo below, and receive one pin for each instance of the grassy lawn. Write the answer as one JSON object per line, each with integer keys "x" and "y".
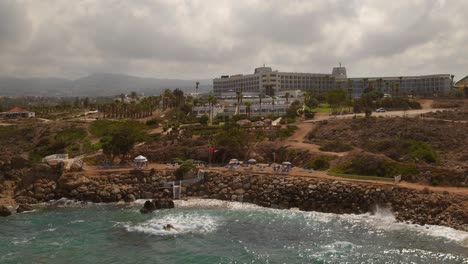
{"x": 322, "y": 110}
{"x": 360, "y": 177}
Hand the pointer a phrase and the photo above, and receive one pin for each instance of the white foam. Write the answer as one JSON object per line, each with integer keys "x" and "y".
{"x": 77, "y": 221}
{"x": 212, "y": 203}
{"x": 382, "y": 219}
{"x": 64, "y": 202}
{"x": 183, "y": 224}
{"x": 22, "y": 240}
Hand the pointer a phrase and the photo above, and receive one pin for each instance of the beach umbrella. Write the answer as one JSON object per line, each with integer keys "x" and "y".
{"x": 140, "y": 158}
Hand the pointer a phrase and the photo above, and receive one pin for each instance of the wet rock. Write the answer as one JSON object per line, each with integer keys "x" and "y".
{"x": 4, "y": 211}
{"x": 130, "y": 198}
{"x": 148, "y": 207}
{"x": 24, "y": 208}
{"x": 156, "y": 204}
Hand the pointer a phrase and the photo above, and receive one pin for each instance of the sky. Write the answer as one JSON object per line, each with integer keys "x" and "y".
{"x": 203, "y": 39}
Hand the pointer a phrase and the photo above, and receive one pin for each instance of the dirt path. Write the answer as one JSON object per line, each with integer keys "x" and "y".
{"x": 298, "y": 140}
{"x": 408, "y": 113}
{"x": 426, "y": 103}
{"x": 297, "y": 172}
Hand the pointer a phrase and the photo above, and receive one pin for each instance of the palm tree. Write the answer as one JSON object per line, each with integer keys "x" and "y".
{"x": 273, "y": 98}
{"x": 350, "y": 88}
{"x": 239, "y": 100}
{"x": 365, "y": 84}
{"x": 260, "y": 97}
{"x": 379, "y": 81}
{"x": 248, "y": 108}
{"x": 210, "y": 105}
{"x": 286, "y": 95}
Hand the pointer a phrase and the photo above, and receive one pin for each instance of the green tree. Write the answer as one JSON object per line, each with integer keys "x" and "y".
{"x": 211, "y": 99}
{"x": 179, "y": 98}
{"x": 203, "y": 119}
{"x": 336, "y": 98}
{"x": 232, "y": 141}
{"x": 121, "y": 138}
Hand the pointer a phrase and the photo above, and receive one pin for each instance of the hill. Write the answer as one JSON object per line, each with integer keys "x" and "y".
{"x": 100, "y": 84}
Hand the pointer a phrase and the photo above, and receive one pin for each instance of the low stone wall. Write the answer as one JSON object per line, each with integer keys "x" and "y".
{"x": 308, "y": 194}
{"x": 329, "y": 196}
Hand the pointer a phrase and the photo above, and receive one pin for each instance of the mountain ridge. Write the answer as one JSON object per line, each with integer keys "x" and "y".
{"x": 96, "y": 84}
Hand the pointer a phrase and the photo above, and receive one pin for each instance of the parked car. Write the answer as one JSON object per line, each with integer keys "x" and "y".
{"x": 380, "y": 110}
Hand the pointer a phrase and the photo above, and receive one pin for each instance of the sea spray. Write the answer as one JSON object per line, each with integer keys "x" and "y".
{"x": 183, "y": 223}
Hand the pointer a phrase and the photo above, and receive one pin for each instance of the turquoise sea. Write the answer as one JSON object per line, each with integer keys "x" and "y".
{"x": 210, "y": 231}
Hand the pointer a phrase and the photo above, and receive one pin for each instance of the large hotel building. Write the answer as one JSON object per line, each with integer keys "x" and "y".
{"x": 267, "y": 81}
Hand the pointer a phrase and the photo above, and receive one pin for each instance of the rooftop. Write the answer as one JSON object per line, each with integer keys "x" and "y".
{"x": 17, "y": 110}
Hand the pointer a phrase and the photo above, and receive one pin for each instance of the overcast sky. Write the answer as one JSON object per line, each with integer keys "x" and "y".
{"x": 204, "y": 39}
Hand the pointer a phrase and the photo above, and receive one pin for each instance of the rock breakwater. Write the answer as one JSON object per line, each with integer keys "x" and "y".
{"x": 283, "y": 192}
{"x": 329, "y": 196}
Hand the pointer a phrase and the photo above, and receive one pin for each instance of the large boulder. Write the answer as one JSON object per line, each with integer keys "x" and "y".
{"x": 244, "y": 122}
{"x": 24, "y": 208}
{"x": 4, "y": 211}
{"x": 148, "y": 207}
{"x": 70, "y": 182}
{"x": 163, "y": 203}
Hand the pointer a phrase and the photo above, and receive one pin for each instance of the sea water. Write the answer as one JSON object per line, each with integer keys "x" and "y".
{"x": 211, "y": 231}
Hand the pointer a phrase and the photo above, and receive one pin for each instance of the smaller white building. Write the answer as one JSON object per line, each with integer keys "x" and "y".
{"x": 17, "y": 112}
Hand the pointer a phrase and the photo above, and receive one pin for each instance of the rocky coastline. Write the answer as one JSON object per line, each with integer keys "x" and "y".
{"x": 282, "y": 192}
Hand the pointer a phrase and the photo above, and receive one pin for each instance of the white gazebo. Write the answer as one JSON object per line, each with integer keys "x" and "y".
{"x": 140, "y": 162}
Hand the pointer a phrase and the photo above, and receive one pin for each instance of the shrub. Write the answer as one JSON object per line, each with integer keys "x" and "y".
{"x": 203, "y": 119}
{"x": 373, "y": 165}
{"x": 408, "y": 149}
{"x": 182, "y": 170}
{"x": 336, "y": 146}
{"x": 420, "y": 151}
{"x": 287, "y": 120}
{"x": 321, "y": 162}
{"x": 283, "y": 132}
{"x": 152, "y": 122}
{"x": 100, "y": 128}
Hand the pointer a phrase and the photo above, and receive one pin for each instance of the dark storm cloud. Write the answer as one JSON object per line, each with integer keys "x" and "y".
{"x": 188, "y": 39}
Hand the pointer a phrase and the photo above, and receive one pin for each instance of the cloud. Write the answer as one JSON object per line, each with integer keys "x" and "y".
{"x": 204, "y": 39}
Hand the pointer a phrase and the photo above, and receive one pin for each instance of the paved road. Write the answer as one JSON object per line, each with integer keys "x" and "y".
{"x": 408, "y": 113}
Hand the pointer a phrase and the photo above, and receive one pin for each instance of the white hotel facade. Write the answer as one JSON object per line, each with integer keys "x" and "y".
{"x": 279, "y": 89}
{"x": 264, "y": 80}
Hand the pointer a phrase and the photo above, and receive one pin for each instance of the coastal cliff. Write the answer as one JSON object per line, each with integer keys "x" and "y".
{"x": 283, "y": 192}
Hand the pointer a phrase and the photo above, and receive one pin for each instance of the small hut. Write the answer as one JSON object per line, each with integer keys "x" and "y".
{"x": 140, "y": 162}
